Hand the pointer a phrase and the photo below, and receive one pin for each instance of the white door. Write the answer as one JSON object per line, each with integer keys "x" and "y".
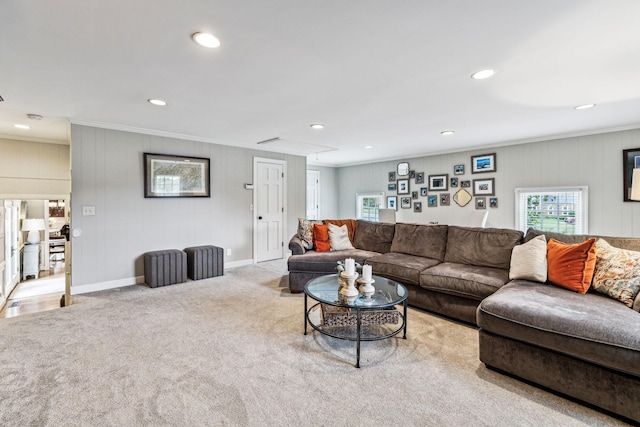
{"x": 269, "y": 209}
{"x": 313, "y": 194}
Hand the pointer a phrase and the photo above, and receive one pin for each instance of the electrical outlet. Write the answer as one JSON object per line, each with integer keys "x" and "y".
{"x": 88, "y": 210}
{"x": 228, "y": 251}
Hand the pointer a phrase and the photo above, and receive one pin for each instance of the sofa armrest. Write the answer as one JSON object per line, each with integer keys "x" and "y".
{"x": 296, "y": 246}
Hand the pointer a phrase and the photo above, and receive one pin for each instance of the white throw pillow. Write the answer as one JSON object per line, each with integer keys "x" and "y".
{"x": 529, "y": 260}
{"x": 339, "y": 238}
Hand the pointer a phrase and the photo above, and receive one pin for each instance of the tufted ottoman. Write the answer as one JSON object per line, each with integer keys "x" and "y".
{"x": 165, "y": 267}
{"x": 204, "y": 262}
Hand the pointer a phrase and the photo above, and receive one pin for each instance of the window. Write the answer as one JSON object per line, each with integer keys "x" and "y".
{"x": 368, "y": 204}
{"x": 557, "y": 209}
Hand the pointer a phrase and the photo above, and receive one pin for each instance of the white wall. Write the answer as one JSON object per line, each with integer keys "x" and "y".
{"x": 593, "y": 160}
{"x": 108, "y": 174}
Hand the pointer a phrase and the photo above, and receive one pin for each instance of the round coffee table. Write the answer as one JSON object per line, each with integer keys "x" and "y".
{"x": 369, "y": 314}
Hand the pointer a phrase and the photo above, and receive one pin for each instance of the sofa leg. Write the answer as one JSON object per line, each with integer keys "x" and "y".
{"x": 295, "y": 291}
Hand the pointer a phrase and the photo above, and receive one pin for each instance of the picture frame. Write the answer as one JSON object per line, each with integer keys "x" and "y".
{"x": 438, "y": 182}
{"x": 465, "y": 184}
{"x": 423, "y": 191}
{"x": 445, "y": 199}
{"x": 392, "y": 177}
{"x": 403, "y": 169}
{"x": 403, "y": 186}
{"x": 483, "y": 163}
{"x": 483, "y": 187}
{"x": 176, "y": 176}
{"x": 405, "y": 202}
{"x": 417, "y": 206}
{"x": 458, "y": 169}
{"x": 392, "y": 202}
{"x": 414, "y": 194}
{"x": 420, "y": 178}
{"x": 630, "y": 161}
{"x": 493, "y": 202}
{"x": 481, "y": 203}
{"x": 432, "y": 201}
{"x": 412, "y": 174}
{"x": 391, "y": 187}
{"x": 453, "y": 182}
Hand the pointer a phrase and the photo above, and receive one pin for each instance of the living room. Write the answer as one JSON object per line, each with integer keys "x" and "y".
{"x": 581, "y": 148}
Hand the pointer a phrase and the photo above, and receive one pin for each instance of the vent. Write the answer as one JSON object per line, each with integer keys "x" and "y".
{"x": 293, "y": 147}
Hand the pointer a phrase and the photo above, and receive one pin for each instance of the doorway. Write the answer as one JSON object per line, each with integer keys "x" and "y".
{"x": 269, "y": 214}
{"x": 313, "y": 194}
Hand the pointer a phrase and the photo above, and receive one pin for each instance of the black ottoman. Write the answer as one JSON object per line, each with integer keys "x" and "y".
{"x": 165, "y": 267}
{"x": 204, "y": 261}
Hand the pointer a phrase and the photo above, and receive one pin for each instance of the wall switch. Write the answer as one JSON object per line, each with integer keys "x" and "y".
{"x": 228, "y": 251}
{"x": 251, "y": 207}
{"x": 88, "y": 210}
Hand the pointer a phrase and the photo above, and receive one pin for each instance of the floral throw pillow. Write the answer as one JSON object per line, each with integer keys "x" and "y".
{"x": 617, "y": 272}
{"x": 305, "y": 232}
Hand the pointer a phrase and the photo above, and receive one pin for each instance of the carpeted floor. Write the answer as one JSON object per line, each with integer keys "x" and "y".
{"x": 231, "y": 351}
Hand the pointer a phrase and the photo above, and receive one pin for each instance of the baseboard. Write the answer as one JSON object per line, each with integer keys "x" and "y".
{"x": 138, "y": 280}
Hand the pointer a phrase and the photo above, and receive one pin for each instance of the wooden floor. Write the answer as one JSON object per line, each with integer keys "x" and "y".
{"x": 35, "y": 304}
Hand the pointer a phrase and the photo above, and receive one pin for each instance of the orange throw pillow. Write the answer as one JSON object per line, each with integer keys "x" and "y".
{"x": 321, "y": 238}
{"x": 571, "y": 266}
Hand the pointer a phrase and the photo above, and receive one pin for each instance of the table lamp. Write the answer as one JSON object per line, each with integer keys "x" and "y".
{"x": 33, "y": 226}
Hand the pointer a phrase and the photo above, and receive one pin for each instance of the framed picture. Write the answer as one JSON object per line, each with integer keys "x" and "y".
{"x": 458, "y": 170}
{"x": 438, "y": 182}
{"x": 392, "y": 202}
{"x": 480, "y": 203}
{"x": 445, "y": 199}
{"x": 403, "y": 169}
{"x": 391, "y": 187}
{"x": 176, "y": 176}
{"x": 483, "y": 187}
{"x": 403, "y": 186}
{"x": 453, "y": 182}
{"x": 405, "y": 202}
{"x": 483, "y": 163}
{"x": 423, "y": 191}
{"x": 630, "y": 163}
{"x": 420, "y": 178}
{"x": 392, "y": 176}
{"x": 493, "y": 202}
{"x": 432, "y": 201}
{"x": 465, "y": 184}
{"x": 417, "y": 206}
{"x": 414, "y": 194}
{"x": 412, "y": 174}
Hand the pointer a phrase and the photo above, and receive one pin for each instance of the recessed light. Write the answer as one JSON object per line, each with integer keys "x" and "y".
{"x": 159, "y": 102}
{"x": 368, "y": 146}
{"x": 206, "y": 40}
{"x": 484, "y": 74}
{"x": 584, "y": 107}
{"x": 317, "y": 126}
{"x": 21, "y": 126}
{"x": 447, "y": 132}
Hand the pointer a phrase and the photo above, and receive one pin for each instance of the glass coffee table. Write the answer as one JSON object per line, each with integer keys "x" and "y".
{"x": 363, "y": 319}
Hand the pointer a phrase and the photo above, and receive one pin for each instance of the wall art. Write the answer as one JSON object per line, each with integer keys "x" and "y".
{"x": 403, "y": 186}
{"x": 391, "y": 187}
{"x": 414, "y": 194}
{"x": 405, "y": 202}
{"x": 465, "y": 184}
{"x": 412, "y": 174}
{"x": 453, "y": 182}
{"x": 483, "y": 163}
{"x": 423, "y": 191}
{"x": 420, "y": 178}
{"x": 444, "y": 199}
{"x": 432, "y": 201}
{"x": 630, "y": 162}
{"x": 176, "y": 176}
{"x": 483, "y": 187}
{"x": 438, "y": 182}
{"x": 417, "y": 206}
{"x": 493, "y": 202}
{"x": 462, "y": 197}
{"x": 403, "y": 169}
{"x": 458, "y": 170}
{"x": 392, "y": 202}
{"x": 480, "y": 203}
{"x": 392, "y": 176}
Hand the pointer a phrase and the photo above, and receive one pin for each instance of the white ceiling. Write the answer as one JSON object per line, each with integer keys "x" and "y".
{"x": 389, "y": 74}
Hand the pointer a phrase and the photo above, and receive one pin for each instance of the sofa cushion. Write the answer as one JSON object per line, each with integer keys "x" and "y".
{"x": 630, "y": 243}
{"x": 571, "y": 266}
{"x": 617, "y": 273}
{"x": 374, "y": 236}
{"x": 464, "y": 280}
{"x": 321, "y": 237}
{"x": 590, "y": 327}
{"x": 429, "y": 241}
{"x": 325, "y": 262}
{"x": 350, "y": 223}
{"x": 400, "y": 267}
{"x": 305, "y": 232}
{"x": 339, "y": 238}
{"x": 485, "y": 247}
{"x": 529, "y": 260}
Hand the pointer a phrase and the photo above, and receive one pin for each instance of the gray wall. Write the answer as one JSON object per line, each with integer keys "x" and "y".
{"x": 108, "y": 174}
{"x": 593, "y": 160}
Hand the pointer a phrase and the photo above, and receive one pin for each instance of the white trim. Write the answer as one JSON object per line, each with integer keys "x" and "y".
{"x": 257, "y": 160}
{"x": 240, "y": 263}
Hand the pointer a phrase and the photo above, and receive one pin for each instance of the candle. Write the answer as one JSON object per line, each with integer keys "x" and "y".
{"x": 349, "y": 266}
{"x": 366, "y": 273}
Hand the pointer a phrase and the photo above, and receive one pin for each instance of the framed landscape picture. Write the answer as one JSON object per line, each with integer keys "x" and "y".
{"x": 458, "y": 170}
{"x": 438, "y": 182}
{"x": 483, "y": 187}
{"x": 391, "y": 187}
{"x": 176, "y": 176}
{"x": 483, "y": 163}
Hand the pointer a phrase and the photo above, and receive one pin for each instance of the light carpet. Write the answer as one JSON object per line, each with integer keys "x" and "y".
{"x": 231, "y": 351}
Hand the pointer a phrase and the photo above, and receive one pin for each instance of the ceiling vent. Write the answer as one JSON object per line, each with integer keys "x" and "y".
{"x": 293, "y": 147}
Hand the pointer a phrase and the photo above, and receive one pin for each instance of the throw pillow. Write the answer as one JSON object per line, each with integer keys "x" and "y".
{"x": 321, "y": 238}
{"x": 350, "y": 223}
{"x": 617, "y": 272}
{"x": 529, "y": 260}
{"x": 305, "y": 232}
{"x": 571, "y": 266}
{"x": 339, "y": 238}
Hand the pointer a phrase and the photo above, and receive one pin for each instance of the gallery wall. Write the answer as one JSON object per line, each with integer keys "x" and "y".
{"x": 108, "y": 175}
{"x": 592, "y": 160}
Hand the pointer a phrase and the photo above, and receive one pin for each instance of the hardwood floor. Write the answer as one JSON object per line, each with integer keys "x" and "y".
{"x": 34, "y": 304}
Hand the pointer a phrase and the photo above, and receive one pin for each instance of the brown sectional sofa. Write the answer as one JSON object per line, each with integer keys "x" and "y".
{"x": 584, "y": 346}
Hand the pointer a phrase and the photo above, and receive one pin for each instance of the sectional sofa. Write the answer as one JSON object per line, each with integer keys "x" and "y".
{"x": 584, "y": 346}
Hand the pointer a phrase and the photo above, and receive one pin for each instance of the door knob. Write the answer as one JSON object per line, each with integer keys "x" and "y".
{"x": 260, "y": 217}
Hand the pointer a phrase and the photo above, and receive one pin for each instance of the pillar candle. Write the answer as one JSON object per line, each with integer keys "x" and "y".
{"x": 366, "y": 273}
{"x": 349, "y": 266}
